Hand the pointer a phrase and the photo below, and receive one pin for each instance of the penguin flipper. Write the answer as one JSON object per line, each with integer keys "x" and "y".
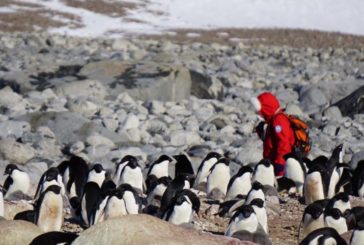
{"x": 8, "y": 182}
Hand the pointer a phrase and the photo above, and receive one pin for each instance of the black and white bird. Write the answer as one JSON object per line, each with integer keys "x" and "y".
{"x": 183, "y": 166}
{"x": 204, "y": 168}
{"x": 50, "y": 177}
{"x": 120, "y": 166}
{"x": 90, "y": 203}
{"x": 97, "y": 174}
{"x": 182, "y": 208}
{"x": 357, "y": 237}
{"x": 228, "y": 208}
{"x": 240, "y": 183}
{"x": 335, "y": 219}
{"x": 218, "y": 178}
{"x": 125, "y": 200}
{"x": 334, "y": 169}
{"x": 316, "y": 184}
{"x": 358, "y": 180}
{"x": 295, "y": 170}
{"x": 323, "y": 236}
{"x": 48, "y": 209}
{"x": 313, "y": 218}
{"x": 264, "y": 173}
{"x": 259, "y": 208}
{"x": 157, "y": 189}
{"x": 340, "y": 201}
{"x": 255, "y": 192}
{"x": 159, "y": 168}
{"x": 54, "y": 238}
{"x": 245, "y": 223}
{"x": 17, "y": 181}
{"x": 132, "y": 175}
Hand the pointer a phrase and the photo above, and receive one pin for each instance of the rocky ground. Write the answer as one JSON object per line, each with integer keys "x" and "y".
{"x": 103, "y": 99}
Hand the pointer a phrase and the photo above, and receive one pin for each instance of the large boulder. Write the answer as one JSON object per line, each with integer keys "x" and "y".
{"x": 17, "y": 232}
{"x": 145, "y": 229}
{"x": 353, "y": 103}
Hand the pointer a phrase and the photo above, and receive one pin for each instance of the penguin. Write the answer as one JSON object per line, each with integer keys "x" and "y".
{"x": 228, "y": 208}
{"x": 204, "y": 168}
{"x": 312, "y": 219}
{"x": 132, "y": 175}
{"x": 334, "y": 218}
{"x": 244, "y": 219}
{"x": 219, "y": 177}
{"x": 332, "y": 169}
{"x": 125, "y": 200}
{"x": 1, "y": 201}
{"x": 354, "y": 216}
{"x": 295, "y": 170}
{"x": 358, "y": 180}
{"x": 159, "y": 168}
{"x": 345, "y": 183}
{"x": 183, "y": 166}
{"x": 316, "y": 184}
{"x": 17, "y": 181}
{"x": 357, "y": 237}
{"x": 264, "y": 173}
{"x": 50, "y": 177}
{"x": 240, "y": 183}
{"x": 75, "y": 173}
{"x": 340, "y": 201}
{"x": 179, "y": 183}
{"x": 259, "y": 208}
{"x": 97, "y": 174}
{"x": 182, "y": 207}
{"x": 48, "y": 209}
{"x": 157, "y": 190}
{"x": 54, "y": 238}
{"x": 90, "y": 203}
{"x": 255, "y": 192}
{"x": 120, "y": 166}
{"x": 323, "y": 236}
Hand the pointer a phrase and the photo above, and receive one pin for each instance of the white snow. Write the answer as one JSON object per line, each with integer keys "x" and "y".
{"x": 155, "y": 16}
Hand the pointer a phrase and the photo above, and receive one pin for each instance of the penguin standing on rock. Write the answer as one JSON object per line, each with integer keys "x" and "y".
{"x": 17, "y": 180}
{"x": 264, "y": 173}
{"x": 204, "y": 168}
{"x": 50, "y": 177}
{"x": 219, "y": 177}
{"x": 48, "y": 209}
{"x": 239, "y": 184}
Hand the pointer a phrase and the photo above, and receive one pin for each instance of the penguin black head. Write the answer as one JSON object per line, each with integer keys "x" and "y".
{"x": 98, "y": 168}
{"x": 164, "y": 158}
{"x": 245, "y": 210}
{"x": 10, "y": 168}
{"x": 244, "y": 169}
{"x": 133, "y": 163}
{"x": 337, "y": 151}
{"x": 54, "y": 188}
{"x": 77, "y": 160}
{"x": 343, "y": 196}
{"x": 180, "y": 199}
{"x": 165, "y": 180}
{"x": 75, "y": 202}
{"x": 213, "y": 154}
{"x": 127, "y": 158}
{"x": 224, "y": 160}
{"x": 321, "y": 160}
{"x": 314, "y": 209}
{"x": 125, "y": 187}
{"x": 266, "y": 162}
{"x": 52, "y": 174}
{"x": 195, "y": 201}
{"x": 257, "y": 186}
{"x": 257, "y": 202}
{"x": 333, "y": 212}
{"x": 108, "y": 186}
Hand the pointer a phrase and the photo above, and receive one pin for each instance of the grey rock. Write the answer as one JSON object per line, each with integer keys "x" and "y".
{"x": 18, "y": 232}
{"x": 358, "y": 156}
{"x": 82, "y": 106}
{"x": 293, "y": 109}
{"x": 312, "y": 99}
{"x": 14, "y": 129}
{"x": 15, "y": 152}
{"x": 333, "y": 113}
{"x": 183, "y": 138}
{"x": 145, "y": 229}
{"x": 250, "y": 153}
{"x": 84, "y": 88}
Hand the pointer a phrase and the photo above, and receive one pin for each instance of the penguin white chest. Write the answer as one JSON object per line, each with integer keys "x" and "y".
{"x": 21, "y": 182}
{"x": 218, "y": 178}
{"x": 133, "y": 177}
{"x": 338, "y": 224}
{"x": 181, "y": 214}
{"x": 241, "y": 185}
{"x": 98, "y": 178}
{"x": 115, "y": 207}
{"x": 357, "y": 238}
{"x": 313, "y": 188}
{"x": 160, "y": 170}
{"x": 131, "y": 205}
{"x": 264, "y": 175}
{"x": 293, "y": 171}
{"x": 242, "y": 224}
{"x": 50, "y": 216}
{"x": 118, "y": 173}
{"x": 202, "y": 175}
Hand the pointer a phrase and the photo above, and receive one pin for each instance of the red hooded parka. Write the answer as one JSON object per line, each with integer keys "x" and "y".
{"x": 279, "y": 138}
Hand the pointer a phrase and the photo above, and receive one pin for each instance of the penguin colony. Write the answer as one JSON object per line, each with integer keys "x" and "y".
{"x": 94, "y": 194}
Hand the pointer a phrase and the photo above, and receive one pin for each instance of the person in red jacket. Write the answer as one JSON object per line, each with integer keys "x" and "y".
{"x": 278, "y": 136}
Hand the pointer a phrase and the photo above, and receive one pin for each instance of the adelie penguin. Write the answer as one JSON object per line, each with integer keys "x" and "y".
{"x": 75, "y": 173}
{"x": 316, "y": 184}
{"x": 158, "y": 169}
{"x": 323, "y": 236}
{"x": 182, "y": 207}
{"x": 259, "y": 208}
{"x": 240, "y": 183}
{"x": 120, "y": 166}
{"x": 183, "y": 166}
{"x": 218, "y": 178}
{"x": 50, "y": 177}
{"x": 295, "y": 170}
{"x": 17, "y": 181}
{"x": 97, "y": 174}
{"x": 332, "y": 169}
{"x": 244, "y": 225}
{"x": 340, "y": 201}
{"x": 157, "y": 189}
{"x": 255, "y": 192}
{"x": 312, "y": 219}
{"x": 335, "y": 219}
{"x": 264, "y": 173}
{"x": 358, "y": 180}
{"x": 48, "y": 209}
{"x": 204, "y": 168}
{"x": 357, "y": 237}
{"x": 125, "y": 200}
{"x": 90, "y": 203}
{"x": 132, "y": 175}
